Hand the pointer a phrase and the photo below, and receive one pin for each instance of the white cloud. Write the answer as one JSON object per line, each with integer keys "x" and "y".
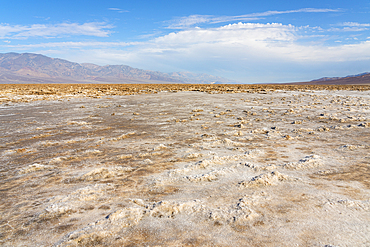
{"x": 347, "y": 29}
{"x": 253, "y": 41}
{"x": 355, "y": 24}
{"x": 118, "y": 10}
{"x": 350, "y": 27}
{"x": 246, "y": 34}
{"x": 184, "y": 22}
{"x": 188, "y": 21}
{"x": 7, "y": 29}
{"x": 98, "y": 29}
{"x": 41, "y": 17}
{"x": 72, "y": 45}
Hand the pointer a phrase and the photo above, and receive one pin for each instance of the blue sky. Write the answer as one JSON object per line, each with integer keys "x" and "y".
{"x": 248, "y": 41}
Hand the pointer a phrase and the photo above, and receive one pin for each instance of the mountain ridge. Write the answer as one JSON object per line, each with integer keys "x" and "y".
{"x": 37, "y": 68}
{"x": 359, "y": 79}
{"x": 337, "y": 78}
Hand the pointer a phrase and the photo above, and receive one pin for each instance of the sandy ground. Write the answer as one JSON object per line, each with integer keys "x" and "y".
{"x": 184, "y": 168}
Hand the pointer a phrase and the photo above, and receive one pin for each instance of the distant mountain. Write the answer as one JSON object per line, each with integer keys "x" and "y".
{"x": 346, "y": 77}
{"x": 36, "y": 68}
{"x": 363, "y": 78}
{"x": 360, "y": 79}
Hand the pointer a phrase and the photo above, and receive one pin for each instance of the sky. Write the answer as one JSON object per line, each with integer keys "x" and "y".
{"x": 266, "y": 41}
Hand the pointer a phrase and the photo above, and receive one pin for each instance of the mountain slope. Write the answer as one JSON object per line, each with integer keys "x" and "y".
{"x": 363, "y": 78}
{"x": 28, "y": 67}
{"x": 360, "y": 79}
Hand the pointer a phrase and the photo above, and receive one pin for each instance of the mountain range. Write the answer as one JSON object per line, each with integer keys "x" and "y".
{"x": 36, "y": 68}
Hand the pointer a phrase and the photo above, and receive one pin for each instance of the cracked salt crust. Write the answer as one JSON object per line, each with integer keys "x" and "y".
{"x": 253, "y": 178}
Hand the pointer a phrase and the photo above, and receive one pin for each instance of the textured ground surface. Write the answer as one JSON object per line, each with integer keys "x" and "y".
{"x": 257, "y": 168}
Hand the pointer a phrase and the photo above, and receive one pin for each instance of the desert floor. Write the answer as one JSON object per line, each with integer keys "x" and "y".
{"x": 162, "y": 166}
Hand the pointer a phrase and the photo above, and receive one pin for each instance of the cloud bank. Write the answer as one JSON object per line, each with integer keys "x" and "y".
{"x": 248, "y": 41}
{"x": 248, "y": 52}
{"x": 98, "y": 29}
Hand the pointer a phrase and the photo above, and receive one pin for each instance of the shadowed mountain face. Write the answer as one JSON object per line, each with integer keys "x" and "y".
{"x": 28, "y": 67}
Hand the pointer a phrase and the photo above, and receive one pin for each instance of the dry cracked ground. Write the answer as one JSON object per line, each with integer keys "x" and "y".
{"x": 186, "y": 168}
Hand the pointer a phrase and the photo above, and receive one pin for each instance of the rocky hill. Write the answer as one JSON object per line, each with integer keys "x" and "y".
{"x": 36, "y": 68}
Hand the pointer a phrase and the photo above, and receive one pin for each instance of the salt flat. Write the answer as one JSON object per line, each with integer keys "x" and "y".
{"x": 258, "y": 168}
